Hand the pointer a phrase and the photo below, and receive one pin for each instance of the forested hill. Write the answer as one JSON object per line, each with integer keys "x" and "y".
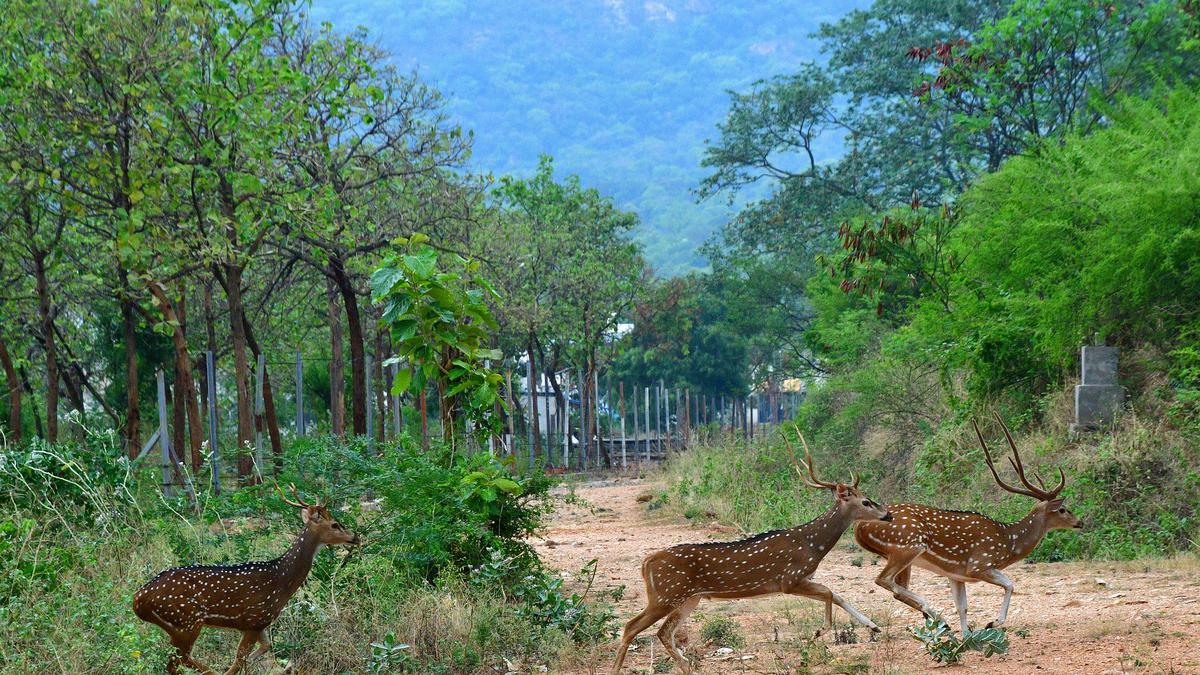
{"x": 621, "y": 92}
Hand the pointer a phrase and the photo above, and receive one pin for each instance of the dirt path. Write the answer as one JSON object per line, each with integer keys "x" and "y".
{"x": 1065, "y": 617}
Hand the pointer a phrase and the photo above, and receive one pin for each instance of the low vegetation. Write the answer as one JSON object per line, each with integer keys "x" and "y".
{"x": 443, "y": 583}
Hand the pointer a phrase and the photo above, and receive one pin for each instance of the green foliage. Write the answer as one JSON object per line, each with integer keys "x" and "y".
{"x": 86, "y": 531}
{"x": 944, "y": 646}
{"x": 441, "y": 325}
{"x": 682, "y": 337}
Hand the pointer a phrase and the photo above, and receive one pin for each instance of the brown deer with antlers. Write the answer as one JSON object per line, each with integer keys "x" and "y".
{"x": 964, "y": 546}
{"x": 780, "y": 561}
{"x": 246, "y": 597}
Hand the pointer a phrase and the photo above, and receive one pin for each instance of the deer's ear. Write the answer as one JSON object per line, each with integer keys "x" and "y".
{"x": 843, "y": 493}
{"x": 310, "y": 514}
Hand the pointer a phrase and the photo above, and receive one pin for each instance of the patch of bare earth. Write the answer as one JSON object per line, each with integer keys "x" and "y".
{"x": 1092, "y": 617}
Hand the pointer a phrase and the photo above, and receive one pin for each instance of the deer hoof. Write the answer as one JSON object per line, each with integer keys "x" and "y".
{"x": 994, "y": 624}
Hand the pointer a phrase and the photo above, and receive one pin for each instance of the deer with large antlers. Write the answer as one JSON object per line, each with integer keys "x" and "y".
{"x": 780, "y": 561}
{"x": 964, "y": 546}
{"x": 246, "y": 597}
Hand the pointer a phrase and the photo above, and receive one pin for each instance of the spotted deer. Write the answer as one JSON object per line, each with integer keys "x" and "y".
{"x": 780, "y": 561}
{"x": 964, "y": 546}
{"x": 245, "y": 597}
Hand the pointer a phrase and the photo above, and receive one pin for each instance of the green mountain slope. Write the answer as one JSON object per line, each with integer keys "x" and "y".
{"x": 623, "y": 93}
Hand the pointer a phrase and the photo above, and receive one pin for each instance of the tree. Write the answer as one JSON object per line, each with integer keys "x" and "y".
{"x": 571, "y": 272}
{"x": 372, "y": 140}
{"x": 926, "y": 95}
{"x": 441, "y": 324}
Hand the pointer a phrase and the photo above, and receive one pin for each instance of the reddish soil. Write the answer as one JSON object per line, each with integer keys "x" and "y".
{"x": 1090, "y": 617}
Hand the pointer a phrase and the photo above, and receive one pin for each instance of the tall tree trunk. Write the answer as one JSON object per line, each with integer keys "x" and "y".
{"x": 133, "y": 411}
{"x": 601, "y": 448}
{"x": 47, "y": 321}
{"x": 177, "y": 401}
{"x": 358, "y": 372}
{"x": 533, "y": 400}
{"x": 37, "y": 417}
{"x": 241, "y": 372}
{"x": 14, "y": 394}
{"x": 185, "y": 388}
{"x": 337, "y": 366}
{"x": 269, "y": 412}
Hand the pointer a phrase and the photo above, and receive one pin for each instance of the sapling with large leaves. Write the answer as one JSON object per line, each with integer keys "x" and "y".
{"x": 436, "y": 310}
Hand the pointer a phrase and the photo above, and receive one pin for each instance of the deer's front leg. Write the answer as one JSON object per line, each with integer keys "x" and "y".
{"x": 959, "y": 588}
{"x": 811, "y": 589}
{"x": 996, "y": 577}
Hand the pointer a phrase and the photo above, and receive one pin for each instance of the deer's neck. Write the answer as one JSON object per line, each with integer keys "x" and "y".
{"x": 293, "y": 567}
{"x": 823, "y": 532}
{"x": 1025, "y": 534}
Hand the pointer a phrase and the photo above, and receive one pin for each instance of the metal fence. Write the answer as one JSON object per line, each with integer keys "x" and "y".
{"x": 622, "y": 425}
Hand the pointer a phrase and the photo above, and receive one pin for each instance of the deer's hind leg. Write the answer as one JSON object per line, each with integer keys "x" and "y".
{"x": 899, "y": 563}
{"x": 668, "y": 633}
{"x": 653, "y": 612}
{"x": 249, "y": 637}
{"x": 182, "y": 640}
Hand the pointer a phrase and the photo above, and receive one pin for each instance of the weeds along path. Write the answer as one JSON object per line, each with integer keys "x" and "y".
{"x": 1092, "y": 617}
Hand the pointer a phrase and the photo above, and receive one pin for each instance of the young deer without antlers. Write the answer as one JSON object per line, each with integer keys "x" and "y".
{"x": 245, "y": 597}
{"x": 964, "y": 546}
{"x": 780, "y": 561}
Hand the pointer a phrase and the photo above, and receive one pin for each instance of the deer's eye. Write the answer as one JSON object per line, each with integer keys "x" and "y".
{"x": 1062, "y": 510}
{"x": 337, "y": 526}
{"x": 868, "y": 502}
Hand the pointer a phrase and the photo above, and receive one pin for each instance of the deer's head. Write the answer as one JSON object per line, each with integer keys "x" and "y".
{"x": 319, "y": 522}
{"x": 1050, "y": 506}
{"x": 846, "y": 496}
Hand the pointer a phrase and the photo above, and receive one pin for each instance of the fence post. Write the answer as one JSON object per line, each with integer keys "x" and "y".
{"x": 214, "y": 456}
{"x": 512, "y": 420}
{"x": 646, "y": 411}
{"x": 635, "y": 420}
{"x": 299, "y": 425}
{"x": 547, "y": 425}
{"x": 621, "y": 386}
{"x": 529, "y": 410}
{"x": 566, "y": 419}
{"x": 596, "y": 408}
{"x": 581, "y": 456}
{"x": 261, "y": 368}
{"x": 687, "y": 413}
{"x": 164, "y": 437}
{"x": 370, "y": 396}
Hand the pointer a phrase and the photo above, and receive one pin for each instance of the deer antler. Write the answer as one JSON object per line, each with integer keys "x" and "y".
{"x": 795, "y": 462}
{"x": 299, "y": 503}
{"x": 1044, "y": 494}
{"x": 1030, "y": 489}
{"x": 808, "y": 464}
